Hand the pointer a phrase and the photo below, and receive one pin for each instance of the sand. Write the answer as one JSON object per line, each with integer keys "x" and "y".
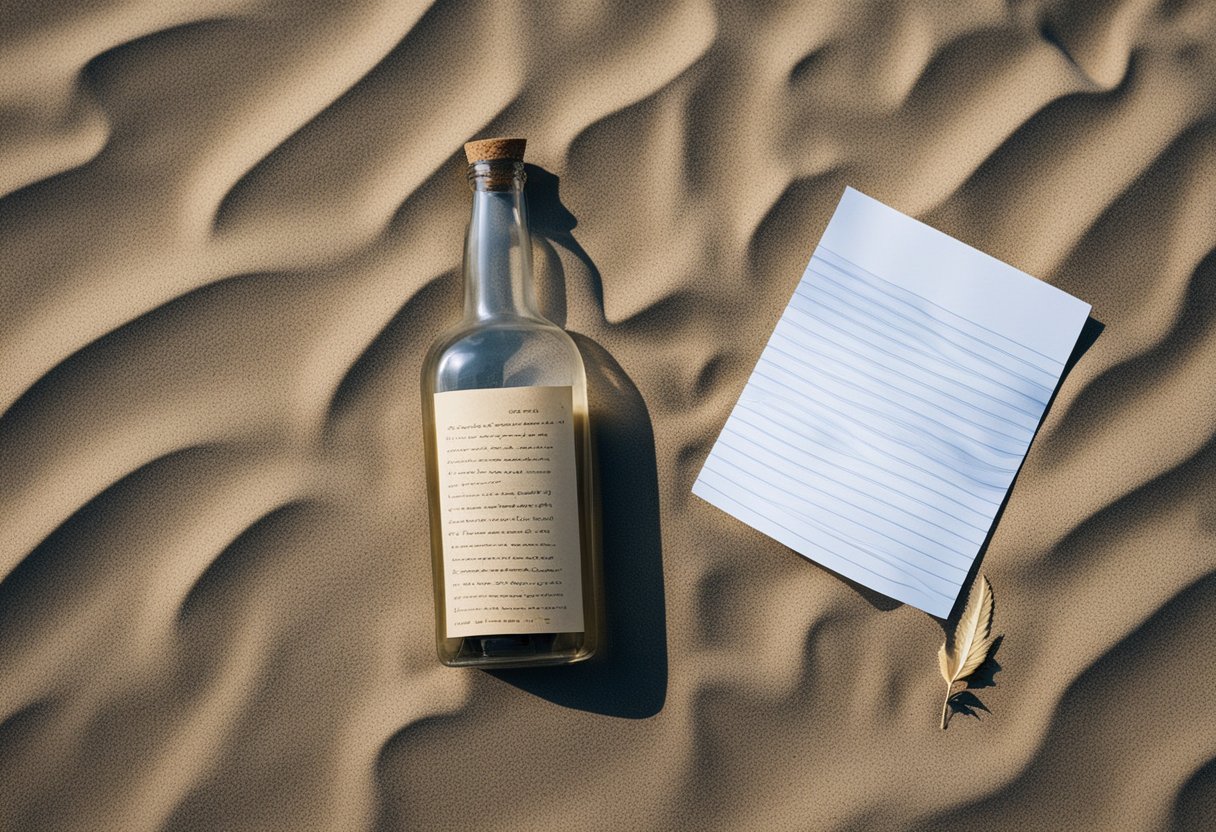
{"x": 229, "y": 230}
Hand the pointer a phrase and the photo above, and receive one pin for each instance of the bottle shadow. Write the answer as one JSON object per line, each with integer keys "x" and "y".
{"x": 552, "y": 226}
{"x": 628, "y": 677}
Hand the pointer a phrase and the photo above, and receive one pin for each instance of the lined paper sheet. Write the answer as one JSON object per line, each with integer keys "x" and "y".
{"x": 893, "y": 404}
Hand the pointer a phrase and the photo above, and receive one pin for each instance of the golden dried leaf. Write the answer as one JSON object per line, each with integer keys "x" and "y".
{"x": 968, "y": 646}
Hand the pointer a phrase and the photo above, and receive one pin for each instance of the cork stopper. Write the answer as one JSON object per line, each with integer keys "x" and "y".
{"x": 486, "y": 150}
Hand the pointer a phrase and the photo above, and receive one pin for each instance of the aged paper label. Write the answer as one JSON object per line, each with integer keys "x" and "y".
{"x": 508, "y": 498}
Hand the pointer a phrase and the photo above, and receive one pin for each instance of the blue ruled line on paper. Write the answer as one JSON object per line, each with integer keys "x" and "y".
{"x": 893, "y": 404}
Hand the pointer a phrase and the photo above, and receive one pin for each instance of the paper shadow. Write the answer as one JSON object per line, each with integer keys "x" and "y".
{"x": 629, "y": 676}
{"x": 880, "y": 602}
{"x": 1089, "y": 335}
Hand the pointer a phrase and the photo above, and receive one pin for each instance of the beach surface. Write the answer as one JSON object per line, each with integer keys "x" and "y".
{"x": 230, "y": 229}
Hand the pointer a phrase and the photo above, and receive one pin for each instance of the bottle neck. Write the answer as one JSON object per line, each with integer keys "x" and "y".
{"x": 498, "y": 247}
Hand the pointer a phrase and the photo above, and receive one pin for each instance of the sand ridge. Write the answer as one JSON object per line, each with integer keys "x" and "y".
{"x": 229, "y": 230}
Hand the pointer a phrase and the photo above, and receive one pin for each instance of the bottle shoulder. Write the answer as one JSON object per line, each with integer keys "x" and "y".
{"x": 519, "y": 329}
{"x": 502, "y": 353}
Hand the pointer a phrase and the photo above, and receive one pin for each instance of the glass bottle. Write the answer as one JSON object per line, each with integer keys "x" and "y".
{"x": 510, "y": 482}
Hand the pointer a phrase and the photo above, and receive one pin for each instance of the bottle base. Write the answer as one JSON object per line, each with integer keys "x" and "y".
{"x": 510, "y": 651}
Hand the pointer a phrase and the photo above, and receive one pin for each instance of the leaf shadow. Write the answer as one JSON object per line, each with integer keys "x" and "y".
{"x": 985, "y": 675}
{"x": 966, "y": 702}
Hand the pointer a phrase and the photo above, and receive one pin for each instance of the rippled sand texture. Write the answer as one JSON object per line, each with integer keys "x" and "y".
{"x": 229, "y": 229}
